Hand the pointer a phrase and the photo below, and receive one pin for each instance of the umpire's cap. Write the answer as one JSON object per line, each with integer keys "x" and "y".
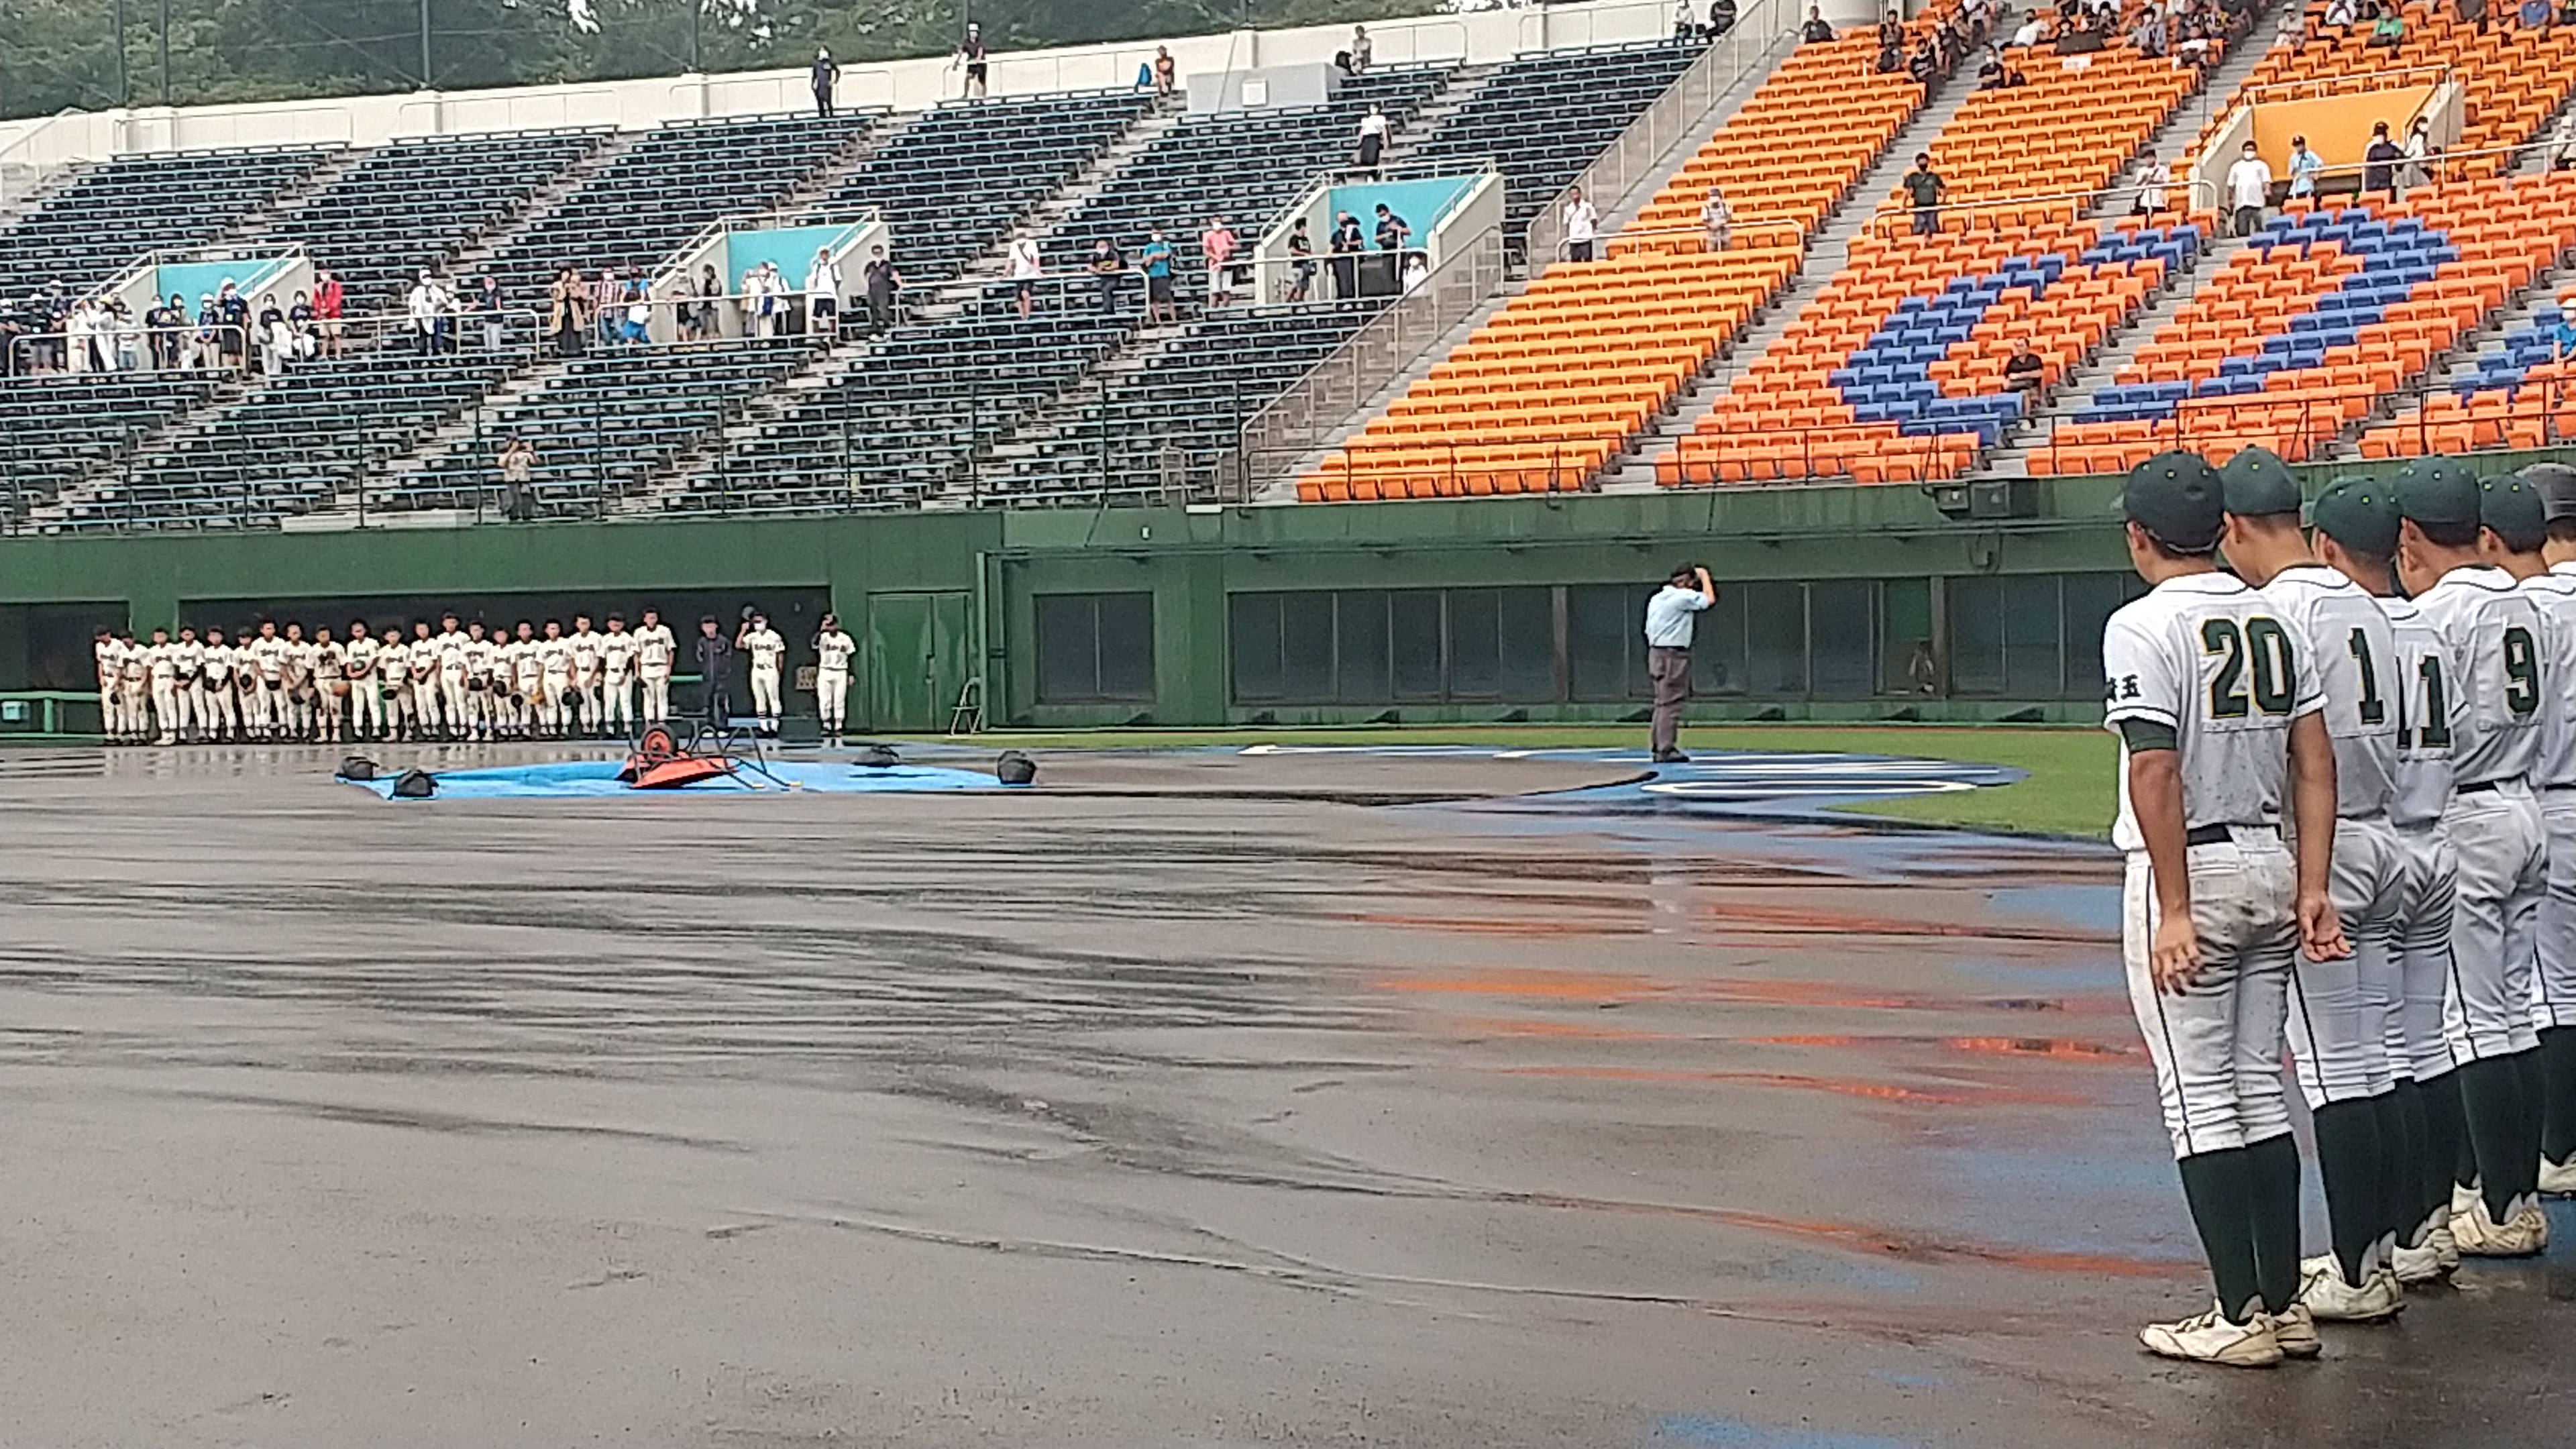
{"x": 2557, "y": 485}
{"x": 2360, "y": 514}
{"x": 2512, "y": 509}
{"x": 2437, "y": 491}
{"x": 2178, "y": 499}
{"x": 2258, "y": 484}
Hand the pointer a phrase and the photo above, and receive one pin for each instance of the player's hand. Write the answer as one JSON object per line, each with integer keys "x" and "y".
{"x": 2174, "y": 957}
{"x": 2321, "y": 929}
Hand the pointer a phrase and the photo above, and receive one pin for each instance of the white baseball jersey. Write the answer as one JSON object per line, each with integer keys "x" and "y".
{"x": 451, "y": 652}
{"x": 527, "y": 666}
{"x": 159, "y": 663}
{"x": 2499, "y": 642}
{"x": 111, "y": 660}
{"x": 331, "y": 661}
{"x": 554, "y": 658}
{"x": 190, "y": 657}
{"x": 218, "y": 664}
{"x": 393, "y": 661}
{"x": 2350, "y": 644}
{"x": 2555, "y": 594}
{"x": 268, "y": 656}
{"x": 358, "y": 656}
{"x": 130, "y": 658}
{"x": 585, "y": 653}
{"x": 478, "y": 654}
{"x": 2212, "y": 659}
{"x": 654, "y": 650}
{"x": 833, "y": 651}
{"x": 422, "y": 653}
{"x": 766, "y": 648}
{"x": 304, "y": 655}
{"x": 2433, "y": 713}
{"x": 616, "y": 654}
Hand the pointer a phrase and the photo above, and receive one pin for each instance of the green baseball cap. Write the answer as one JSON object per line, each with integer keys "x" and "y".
{"x": 2360, "y": 514}
{"x": 2513, "y": 509}
{"x": 2437, "y": 491}
{"x": 2257, "y": 484}
{"x": 2557, "y": 485}
{"x": 2178, "y": 498}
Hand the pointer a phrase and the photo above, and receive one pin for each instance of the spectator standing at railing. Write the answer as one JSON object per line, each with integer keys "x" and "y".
{"x": 426, "y": 307}
{"x": 205, "y": 347}
{"x": 2249, "y": 190}
{"x": 1815, "y": 31}
{"x": 1925, "y": 188}
{"x": 234, "y": 308}
{"x": 2379, "y": 162}
{"x": 1394, "y": 233}
{"x": 605, "y": 295}
{"x": 637, "y": 329}
{"x": 1218, "y": 244}
{"x": 825, "y": 76}
{"x": 329, "y": 300}
{"x": 1363, "y": 50}
{"x": 169, "y": 324}
{"x": 2419, "y": 154}
{"x": 1716, "y": 221}
{"x": 1301, "y": 262}
{"x": 970, "y": 55}
{"x": 1157, "y": 261}
{"x": 823, "y": 296}
{"x": 563, "y": 313}
{"x": 882, "y": 283}
{"x": 1106, "y": 264}
{"x": 1346, "y": 247}
{"x": 1024, "y": 266}
{"x": 487, "y": 303}
{"x": 2304, "y": 167}
{"x": 1582, "y": 223}
{"x": 1372, "y": 138}
{"x": 710, "y": 294}
{"x": 2153, "y": 178}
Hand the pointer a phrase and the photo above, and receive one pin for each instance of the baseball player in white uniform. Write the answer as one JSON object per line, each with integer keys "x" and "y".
{"x": 330, "y": 687}
{"x": 2498, "y": 641}
{"x": 190, "y": 655}
{"x": 528, "y": 673}
{"x": 2339, "y": 1010}
{"x": 833, "y": 651}
{"x": 110, "y": 657}
{"x": 161, "y": 676}
{"x": 768, "y": 652}
{"x": 2223, "y": 735}
{"x": 268, "y": 665}
{"x": 223, "y": 721}
{"x": 554, "y": 658}
{"x": 453, "y": 706}
{"x": 393, "y": 680}
{"x": 617, "y": 679}
{"x": 2556, "y": 483}
{"x": 654, "y": 651}
{"x": 134, "y": 686}
{"x": 366, "y": 702}
{"x": 478, "y": 653}
{"x": 428, "y": 710}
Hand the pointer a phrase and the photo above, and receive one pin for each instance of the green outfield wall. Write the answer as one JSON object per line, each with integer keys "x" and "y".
{"x": 1839, "y": 602}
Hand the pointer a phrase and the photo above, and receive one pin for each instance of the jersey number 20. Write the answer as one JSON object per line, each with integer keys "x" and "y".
{"x": 2264, "y": 646}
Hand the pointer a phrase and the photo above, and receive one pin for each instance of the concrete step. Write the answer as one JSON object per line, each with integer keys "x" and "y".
{"x": 573, "y": 178}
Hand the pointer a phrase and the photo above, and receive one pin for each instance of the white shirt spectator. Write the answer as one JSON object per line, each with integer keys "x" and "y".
{"x": 2032, "y": 32}
{"x": 823, "y": 281}
{"x": 2249, "y": 183}
{"x": 1026, "y": 264}
{"x": 1373, "y": 124}
{"x": 2151, "y": 186}
{"x": 1671, "y": 616}
{"x": 1582, "y": 221}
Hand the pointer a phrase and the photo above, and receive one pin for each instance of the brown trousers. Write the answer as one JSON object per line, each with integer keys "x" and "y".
{"x": 1669, "y": 669}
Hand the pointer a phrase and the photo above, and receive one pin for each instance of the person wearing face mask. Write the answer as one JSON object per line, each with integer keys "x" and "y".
{"x": 2418, "y": 152}
{"x": 2249, "y": 190}
{"x": 2379, "y": 162}
{"x": 2304, "y": 166}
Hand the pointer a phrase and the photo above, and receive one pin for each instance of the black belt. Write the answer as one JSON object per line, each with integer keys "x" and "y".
{"x": 2214, "y": 834}
{"x": 2476, "y": 788}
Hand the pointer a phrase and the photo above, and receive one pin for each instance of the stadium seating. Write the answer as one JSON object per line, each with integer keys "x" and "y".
{"x": 898, "y": 421}
{"x": 1244, "y": 166}
{"x": 1567, "y": 372}
{"x": 952, "y": 182}
{"x": 1162, "y": 430}
{"x": 2521, "y": 396}
{"x": 107, "y": 218}
{"x": 417, "y": 203}
{"x": 55, "y": 429}
{"x": 1543, "y": 117}
{"x": 2315, "y": 322}
{"x": 604, "y": 426}
{"x": 668, "y": 186}
{"x": 293, "y": 442}
{"x": 1894, "y": 373}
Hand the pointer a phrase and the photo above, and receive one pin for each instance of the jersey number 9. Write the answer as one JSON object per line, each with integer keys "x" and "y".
{"x": 2264, "y": 646}
{"x": 2521, "y": 672}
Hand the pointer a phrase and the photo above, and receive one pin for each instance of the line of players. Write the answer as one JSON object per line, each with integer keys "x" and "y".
{"x": 2348, "y": 800}
{"x": 456, "y": 683}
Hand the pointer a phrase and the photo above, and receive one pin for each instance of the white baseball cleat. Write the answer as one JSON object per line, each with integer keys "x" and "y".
{"x": 2210, "y": 1338}
{"x": 2480, "y": 1236}
{"x": 2418, "y": 1266}
{"x": 2330, "y": 1299}
{"x": 2444, "y": 1246}
{"x": 2558, "y": 1179}
{"x": 2295, "y": 1330}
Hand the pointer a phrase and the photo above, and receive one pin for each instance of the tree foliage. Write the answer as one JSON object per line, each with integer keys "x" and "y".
{"x": 65, "y": 54}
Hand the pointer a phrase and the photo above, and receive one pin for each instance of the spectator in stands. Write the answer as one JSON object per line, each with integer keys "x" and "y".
{"x": 2153, "y": 178}
{"x": 1815, "y": 30}
{"x": 2151, "y": 37}
{"x": 564, "y": 322}
{"x": 234, "y": 308}
{"x": 1891, "y": 60}
{"x": 759, "y": 306}
{"x": 1990, "y": 71}
{"x": 2295, "y": 30}
{"x": 2419, "y": 151}
{"x": 2024, "y": 371}
{"x": 2033, "y": 30}
{"x": 1925, "y": 67}
{"x": 824, "y": 76}
{"x": 1363, "y": 50}
{"x": 2249, "y": 190}
{"x": 1716, "y": 223}
{"x": 1301, "y": 262}
{"x": 1891, "y": 33}
{"x": 710, "y": 300}
{"x": 1721, "y": 17}
{"x": 1024, "y": 266}
{"x": 1166, "y": 73}
{"x": 124, "y": 337}
{"x": 2304, "y": 166}
{"x": 1582, "y": 225}
{"x": 1417, "y": 270}
{"x": 1372, "y": 144}
{"x": 1107, "y": 265}
{"x": 422, "y": 307}
{"x": 2534, "y": 15}
{"x": 208, "y": 344}
{"x": 882, "y": 282}
{"x": 970, "y": 55}
{"x": 518, "y": 461}
{"x": 2379, "y": 162}
{"x": 299, "y": 325}
{"x": 1685, "y": 20}
{"x": 2473, "y": 12}
{"x": 2562, "y": 338}
{"x": 1394, "y": 233}
{"x": 275, "y": 341}
{"x": 1925, "y": 188}
{"x": 2388, "y": 32}
{"x": 169, "y": 323}
{"x": 2342, "y": 14}
{"x": 823, "y": 295}
{"x": 1345, "y": 248}
{"x": 329, "y": 302}
{"x": 607, "y": 297}
{"x": 1157, "y": 261}
{"x": 1218, "y": 244}
{"x": 637, "y": 328}
{"x": 487, "y": 305}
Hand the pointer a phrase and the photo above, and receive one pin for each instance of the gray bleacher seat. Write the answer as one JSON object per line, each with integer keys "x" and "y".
{"x": 110, "y": 215}
{"x": 56, "y": 429}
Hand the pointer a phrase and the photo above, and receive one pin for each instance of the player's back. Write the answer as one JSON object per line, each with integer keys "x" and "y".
{"x": 2554, "y": 595}
{"x": 2210, "y": 657}
{"x": 2431, "y": 712}
{"x": 2495, "y": 634}
{"x": 2352, "y": 649}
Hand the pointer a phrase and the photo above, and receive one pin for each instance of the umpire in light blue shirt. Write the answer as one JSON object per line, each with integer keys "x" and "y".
{"x": 1670, "y": 616}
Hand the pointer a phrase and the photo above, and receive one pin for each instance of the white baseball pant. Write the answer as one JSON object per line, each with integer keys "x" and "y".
{"x": 131, "y": 696}
{"x": 218, "y": 712}
{"x": 617, "y": 703}
{"x": 165, "y": 708}
{"x": 425, "y": 704}
{"x": 551, "y": 711}
{"x": 2217, "y": 1044}
{"x": 192, "y": 707}
{"x": 2418, "y": 1042}
{"x": 366, "y": 707}
{"x": 455, "y": 704}
{"x": 2504, "y": 872}
{"x": 832, "y": 697}
{"x": 2553, "y": 1002}
{"x": 111, "y": 708}
{"x": 657, "y": 698}
{"x": 2339, "y": 1010}
{"x": 764, "y": 693}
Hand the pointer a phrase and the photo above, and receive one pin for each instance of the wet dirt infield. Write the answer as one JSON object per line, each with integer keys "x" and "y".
{"x": 1129, "y": 1112}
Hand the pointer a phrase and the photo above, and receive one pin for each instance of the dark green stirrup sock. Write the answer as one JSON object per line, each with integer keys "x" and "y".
{"x": 2404, "y": 1165}
{"x": 2558, "y": 1093}
{"x": 2348, "y": 1158}
{"x": 2446, "y": 1142}
{"x": 2219, "y": 1188}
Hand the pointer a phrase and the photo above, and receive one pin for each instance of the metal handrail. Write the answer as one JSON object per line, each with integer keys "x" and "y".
{"x": 2073, "y": 201}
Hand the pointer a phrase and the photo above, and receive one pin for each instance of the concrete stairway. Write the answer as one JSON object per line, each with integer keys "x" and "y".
{"x": 483, "y": 248}
{"x": 1452, "y": 97}
{"x": 2181, "y": 129}
{"x": 807, "y": 199}
{"x": 1105, "y": 168}
{"x": 257, "y": 225}
{"x": 1635, "y": 470}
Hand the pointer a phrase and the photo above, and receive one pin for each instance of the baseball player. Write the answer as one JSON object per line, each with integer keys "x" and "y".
{"x": 767, "y": 650}
{"x": 133, "y": 687}
{"x": 161, "y": 677}
{"x": 366, "y": 702}
{"x": 111, "y": 668}
{"x": 2556, "y": 483}
{"x": 452, "y": 705}
{"x": 268, "y": 669}
{"x": 330, "y": 686}
{"x": 617, "y": 679}
{"x": 190, "y": 656}
{"x": 527, "y": 681}
{"x": 2222, "y": 734}
{"x": 428, "y": 713}
{"x": 222, "y": 721}
{"x": 393, "y": 680}
{"x": 554, "y": 675}
{"x": 296, "y": 687}
{"x": 581, "y": 701}
{"x": 833, "y": 650}
{"x": 2498, "y": 642}
{"x": 477, "y": 654}
{"x": 2338, "y": 1010}
{"x": 654, "y": 651}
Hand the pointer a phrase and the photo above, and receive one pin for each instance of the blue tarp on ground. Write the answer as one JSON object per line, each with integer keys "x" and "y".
{"x": 599, "y": 777}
